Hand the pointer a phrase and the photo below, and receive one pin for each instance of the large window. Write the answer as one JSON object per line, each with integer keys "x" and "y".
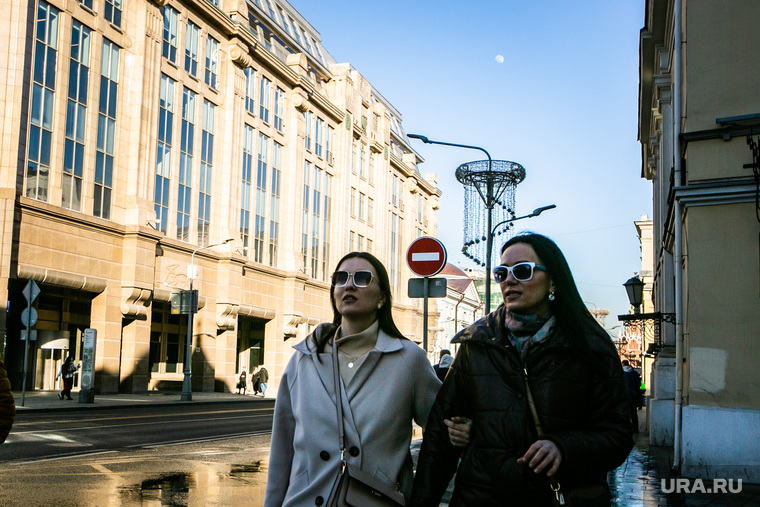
{"x": 316, "y": 221}
{"x": 264, "y": 99}
{"x": 307, "y": 130}
{"x": 112, "y": 12}
{"x": 106, "y": 145}
{"x": 326, "y": 213}
{"x": 212, "y": 63}
{"x": 318, "y": 137}
{"x": 279, "y": 107}
{"x": 329, "y": 140}
{"x": 245, "y": 191}
{"x": 362, "y": 174}
{"x": 274, "y": 205}
{"x": 261, "y": 197}
{"x": 394, "y": 249}
{"x": 186, "y": 149}
{"x": 250, "y": 90}
{"x": 305, "y": 214}
{"x": 43, "y": 95}
{"x": 171, "y": 34}
{"x": 164, "y": 152}
{"x": 191, "y": 49}
{"x": 207, "y": 166}
{"x": 76, "y": 112}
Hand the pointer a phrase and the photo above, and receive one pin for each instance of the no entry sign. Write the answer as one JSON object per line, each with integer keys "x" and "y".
{"x": 426, "y": 256}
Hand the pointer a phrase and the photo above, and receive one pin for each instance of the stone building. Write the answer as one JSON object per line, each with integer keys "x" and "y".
{"x": 699, "y": 120}
{"x": 140, "y": 136}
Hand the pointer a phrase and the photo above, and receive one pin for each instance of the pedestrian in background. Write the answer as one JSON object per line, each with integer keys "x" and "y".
{"x": 442, "y": 368}
{"x": 255, "y": 384}
{"x": 386, "y": 382}
{"x": 633, "y": 381}
{"x": 67, "y": 370}
{"x": 7, "y": 404}
{"x": 542, "y": 383}
{"x": 242, "y": 382}
{"x": 263, "y": 380}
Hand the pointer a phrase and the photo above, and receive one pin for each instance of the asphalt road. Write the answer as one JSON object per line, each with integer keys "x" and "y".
{"x": 39, "y": 436}
{"x": 187, "y": 455}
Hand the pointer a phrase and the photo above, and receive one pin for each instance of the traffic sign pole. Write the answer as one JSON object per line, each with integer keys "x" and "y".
{"x": 426, "y": 257}
{"x": 31, "y": 291}
{"x": 425, "y": 314}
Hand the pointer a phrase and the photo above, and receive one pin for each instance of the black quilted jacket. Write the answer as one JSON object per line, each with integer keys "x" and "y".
{"x": 581, "y": 400}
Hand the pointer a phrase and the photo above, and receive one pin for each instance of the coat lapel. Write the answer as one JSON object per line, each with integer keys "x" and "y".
{"x": 385, "y": 344}
{"x": 323, "y": 363}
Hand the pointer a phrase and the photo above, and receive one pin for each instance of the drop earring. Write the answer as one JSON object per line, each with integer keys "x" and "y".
{"x": 552, "y": 297}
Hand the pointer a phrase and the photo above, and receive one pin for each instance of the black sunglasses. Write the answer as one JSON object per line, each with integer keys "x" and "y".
{"x": 522, "y": 271}
{"x": 361, "y": 278}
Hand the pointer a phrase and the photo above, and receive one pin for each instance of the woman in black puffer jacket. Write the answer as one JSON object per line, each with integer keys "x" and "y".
{"x": 545, "y": 334}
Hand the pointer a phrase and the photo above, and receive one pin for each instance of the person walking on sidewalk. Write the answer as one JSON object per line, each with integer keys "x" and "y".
{"x": 386, "y": 382}
{"x": 542, "y": 383}
{"x": 7, "y": 404}
{"x": 242, "y": 382}
{"x": 442, "y": 368}
{"x": 633, "y": 381}
{"x": 263, "y": 376}
{"x": 68, "y": 368}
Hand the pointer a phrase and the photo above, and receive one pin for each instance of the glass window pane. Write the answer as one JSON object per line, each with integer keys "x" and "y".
{"x": 47, "y": 109}
{"x": 45, "y": 140}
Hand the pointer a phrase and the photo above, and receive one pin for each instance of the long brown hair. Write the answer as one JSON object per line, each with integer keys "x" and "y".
{"x": 384, "y": 314}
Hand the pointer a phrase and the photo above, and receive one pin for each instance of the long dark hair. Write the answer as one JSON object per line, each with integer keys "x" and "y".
{"x": 568, "y": 308}
{"x": 384, "y": 315}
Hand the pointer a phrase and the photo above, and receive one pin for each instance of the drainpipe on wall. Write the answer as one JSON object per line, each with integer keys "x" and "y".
{"x": 678, "y": 249}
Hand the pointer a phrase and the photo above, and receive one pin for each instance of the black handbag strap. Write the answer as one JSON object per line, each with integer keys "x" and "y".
{"x": 553, "y": 484}
{"x": 339, "y": 404}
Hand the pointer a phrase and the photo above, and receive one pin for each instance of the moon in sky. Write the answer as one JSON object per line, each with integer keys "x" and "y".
{"x": 499, "y": 59}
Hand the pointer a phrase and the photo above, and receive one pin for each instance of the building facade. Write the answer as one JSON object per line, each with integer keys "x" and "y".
{"x": 699, "y": 120}
{"x": 151, "y": 143}
{"x": 461, "y": 307}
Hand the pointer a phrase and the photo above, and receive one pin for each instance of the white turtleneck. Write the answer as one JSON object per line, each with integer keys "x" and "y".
{"x": 353, "y": 349}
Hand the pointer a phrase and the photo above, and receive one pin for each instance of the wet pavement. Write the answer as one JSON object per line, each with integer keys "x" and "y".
{"x": 645, "y": 479}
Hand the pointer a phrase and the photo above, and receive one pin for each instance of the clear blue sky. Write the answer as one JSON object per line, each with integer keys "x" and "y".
{"x": 563, "y": 103}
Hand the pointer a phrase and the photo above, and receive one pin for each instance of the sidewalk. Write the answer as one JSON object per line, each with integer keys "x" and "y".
{"x": 44, "y": 401}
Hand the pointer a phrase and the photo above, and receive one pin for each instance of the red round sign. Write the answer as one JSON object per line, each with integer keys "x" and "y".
{"x": 426, "y": 256}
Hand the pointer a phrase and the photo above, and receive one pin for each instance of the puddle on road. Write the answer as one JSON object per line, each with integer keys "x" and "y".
{"x": 167, "y": 490}
{"x": 239, "y": 482}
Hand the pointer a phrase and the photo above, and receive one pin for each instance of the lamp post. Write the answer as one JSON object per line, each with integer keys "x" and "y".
{"x": 187, "y": 388}
{"x": 488, "y": 200}
{"x": 634, "y": 288}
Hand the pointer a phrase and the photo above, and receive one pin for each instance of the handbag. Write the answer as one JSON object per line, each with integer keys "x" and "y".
{"x": 590, "y": 496}
{"x": 352, "y": 486}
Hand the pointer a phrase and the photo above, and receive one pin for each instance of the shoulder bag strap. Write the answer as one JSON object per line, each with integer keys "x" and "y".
{"x": 556, "y": 488}
{"x": 339, "y": 404}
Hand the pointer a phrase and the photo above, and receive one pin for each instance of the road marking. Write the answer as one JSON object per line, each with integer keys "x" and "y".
{"x": 56, "y": 457}
{"x": 198, "y": 440}
{"x": 40, "y": 433}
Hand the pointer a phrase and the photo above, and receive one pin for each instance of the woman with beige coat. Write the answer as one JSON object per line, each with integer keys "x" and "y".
{"x": 386, "y": 383}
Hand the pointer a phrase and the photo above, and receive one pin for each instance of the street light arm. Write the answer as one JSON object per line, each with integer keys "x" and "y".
{"x": 192, "y": 257}
{"x": 535, "y": 213}
{"x": 425, "y": 140}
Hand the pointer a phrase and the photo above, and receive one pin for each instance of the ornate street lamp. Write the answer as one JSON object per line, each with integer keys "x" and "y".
{"x": 494, "y": 181}
{"x": 634, "y": 288}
